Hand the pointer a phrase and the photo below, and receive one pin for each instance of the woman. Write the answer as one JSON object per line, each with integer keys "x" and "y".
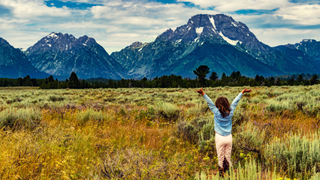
{"x": 223, "y": 112}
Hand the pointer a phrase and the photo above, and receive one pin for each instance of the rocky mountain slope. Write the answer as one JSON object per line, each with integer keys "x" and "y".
{"x": 60, "y": 54}
{"x": 310, "y": 47}
{"x": 14, "y": 64}
{"x": 217, "y": 41}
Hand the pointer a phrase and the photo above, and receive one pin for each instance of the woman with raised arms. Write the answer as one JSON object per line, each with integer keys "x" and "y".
{"x": 223, "y": 113}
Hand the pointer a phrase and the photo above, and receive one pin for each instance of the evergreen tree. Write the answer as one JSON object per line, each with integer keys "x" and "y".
{"x": 143, "y": 82}
{"x": 19, "y": 81}
{"x": 223, "y": 77}
{"x": 314, "y": 79}
{"x": 202, "y": 72}
{"x": 291, "y": 81}
{"x": 73, "y": 81}
{"x": 50, "y": 79}
{"x": 27, "y": 81}
{"x": 257, "y": 78}
{"x": 300, "y": 78}
{"x": 213, "y": 76}
{"x": 235, "y": 75}
{"x": 271, "y": 81}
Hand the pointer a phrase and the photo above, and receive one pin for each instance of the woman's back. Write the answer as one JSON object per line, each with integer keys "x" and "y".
{"x": 222, "y": 121}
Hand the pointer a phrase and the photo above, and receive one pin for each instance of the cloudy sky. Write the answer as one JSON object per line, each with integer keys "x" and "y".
{"x": 115, "y": 24}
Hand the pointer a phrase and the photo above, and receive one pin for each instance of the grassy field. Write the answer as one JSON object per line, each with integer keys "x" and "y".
{"x": 156, "y": 133}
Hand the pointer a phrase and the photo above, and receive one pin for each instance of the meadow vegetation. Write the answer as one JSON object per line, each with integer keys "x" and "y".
{"x": 145, "y": 133}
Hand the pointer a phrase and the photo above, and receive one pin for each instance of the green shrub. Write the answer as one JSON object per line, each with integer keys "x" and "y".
{"x": 17, "y": 99}
{"x": 197, "y": 110}
{"x": 278, "y": 93}
{"x": 168, "y": 111}
{"x": 238, "y": 119}
{"x": 191, "y": 130}
{"x": 207, "y": 138}
{"x": 250, "y": 170}
{"x": 20, "y": 118}
{"x": 314, "y": 92}
{"x": 316, "y": 176}
{"x": 295, "y": 155}
{"x": 207, "y": 132}
{"x": 255, "y": 100}
{"x": 276, "y": 106}
{"x": 199, "y": 130}
{"x": 264, "y": 96}
{"x": 122, "y": 111}
{"x": 151, "y": 112}
{"x": 162, "y": 95}
{"x": 312, "y": 108}
{"x": 187, "y": 131}
{"x": 249, "y": 139}
{"x": 90, "y": 114}
{"x": 55, "y": 98}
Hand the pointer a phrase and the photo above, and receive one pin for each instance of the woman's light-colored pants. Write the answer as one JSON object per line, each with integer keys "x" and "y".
{"x": 224, "y": 147}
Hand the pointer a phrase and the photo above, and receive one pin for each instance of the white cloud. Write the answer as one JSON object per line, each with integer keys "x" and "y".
{"x": 116, "y": 24}
{"x": 307, "y": 14}
{"x": 22, "y": 39}
{"x": 303, "y": 13}
{"x": 26, "y": 9}
{"x": 282, "y": 36}
{"x": 234, "y": 5}
{"x": 80, "y": 1}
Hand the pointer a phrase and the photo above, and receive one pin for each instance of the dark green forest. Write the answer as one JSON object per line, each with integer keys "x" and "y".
{"x": 166, "y": 81}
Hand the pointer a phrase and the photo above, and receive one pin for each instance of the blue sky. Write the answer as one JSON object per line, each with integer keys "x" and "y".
{"x": 116, "y": 24}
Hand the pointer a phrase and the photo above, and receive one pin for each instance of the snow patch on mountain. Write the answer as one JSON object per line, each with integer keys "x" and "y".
{"x": 140, "y": 70}
{"x": 234, "y": 24}
{"x": 87, "y": 40}
{"x": 52, "y": 35}
{"x": 232, "y": 42}
{"x": 199, "y": 30}
{"x": 212, "y": 22}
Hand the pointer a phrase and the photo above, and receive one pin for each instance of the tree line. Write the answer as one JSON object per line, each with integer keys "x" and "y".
{"x": 165, "y": 81}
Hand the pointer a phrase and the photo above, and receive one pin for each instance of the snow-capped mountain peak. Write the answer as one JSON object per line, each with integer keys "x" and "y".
{"x": 53, "y": 35}
{"x": 221, "y": 27}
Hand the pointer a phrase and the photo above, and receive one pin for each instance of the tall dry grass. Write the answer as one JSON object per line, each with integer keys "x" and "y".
{"x": 116, "y": 133}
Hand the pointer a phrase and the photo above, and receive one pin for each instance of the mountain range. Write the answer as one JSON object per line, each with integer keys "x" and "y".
{"x": 60, "y": 54}
{"x": 218, "y": 41}
{"x": 14, "y": 63}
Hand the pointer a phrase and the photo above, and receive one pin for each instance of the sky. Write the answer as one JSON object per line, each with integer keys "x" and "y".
{"x": 115, "y": 24}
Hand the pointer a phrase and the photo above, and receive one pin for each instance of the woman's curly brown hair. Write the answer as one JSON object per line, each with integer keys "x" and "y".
{"x": 223, "y": 105}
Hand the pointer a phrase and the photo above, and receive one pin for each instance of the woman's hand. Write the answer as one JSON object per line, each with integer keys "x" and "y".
{"x": 246, "y": 90}
{"x": 201, "y": 91}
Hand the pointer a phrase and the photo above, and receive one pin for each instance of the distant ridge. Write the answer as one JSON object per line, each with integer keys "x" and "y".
{"x": 218, "y": 41}
{"x": 310, "y": 47}
{"x": 14, "y": 64}
{"x": 60, "y": 54}
{"x": 177, "y": 52}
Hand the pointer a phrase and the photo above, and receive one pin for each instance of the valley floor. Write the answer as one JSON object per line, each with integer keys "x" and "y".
{"x": 156, "y": 133}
